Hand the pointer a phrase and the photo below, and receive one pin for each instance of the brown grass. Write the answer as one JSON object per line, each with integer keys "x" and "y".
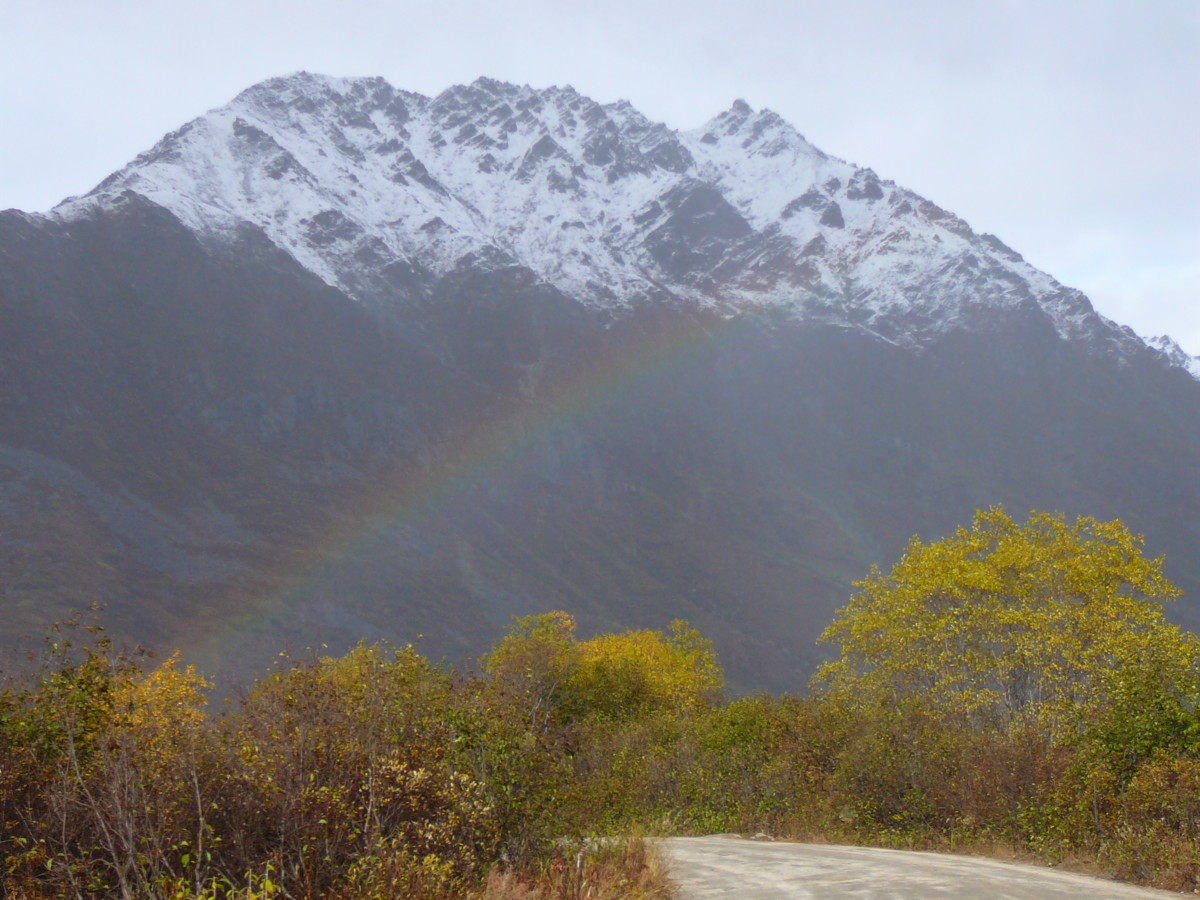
{"x": 632, "y": 869}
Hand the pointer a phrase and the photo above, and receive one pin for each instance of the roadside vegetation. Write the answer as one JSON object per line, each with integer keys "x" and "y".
{"x": 1011, "y": 689}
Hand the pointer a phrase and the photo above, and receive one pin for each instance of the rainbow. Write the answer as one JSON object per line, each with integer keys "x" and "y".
{"x": 404, "y": 496}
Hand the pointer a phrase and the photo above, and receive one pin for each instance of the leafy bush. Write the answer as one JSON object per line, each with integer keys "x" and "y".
{"x": 1005, "y": 623}
{"x": 1012, "y": 686}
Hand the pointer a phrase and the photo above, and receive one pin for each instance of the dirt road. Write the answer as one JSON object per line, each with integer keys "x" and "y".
{"x": 727, "y": 867}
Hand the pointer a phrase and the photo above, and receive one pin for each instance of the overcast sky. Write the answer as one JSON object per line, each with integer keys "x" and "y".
{"x": 1069, "y": 128}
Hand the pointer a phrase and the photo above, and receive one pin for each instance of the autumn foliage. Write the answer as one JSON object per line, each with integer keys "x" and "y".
{"x": 1013, "y": 686}
{"x": 375, "y": 774}
{"x": 1043, "y": 624}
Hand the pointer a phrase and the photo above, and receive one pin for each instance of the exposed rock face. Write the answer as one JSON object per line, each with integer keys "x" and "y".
{"x": 342, "y": 361}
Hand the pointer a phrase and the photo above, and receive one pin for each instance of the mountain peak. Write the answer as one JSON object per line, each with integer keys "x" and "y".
{"x": 756, "y": 132}
{"x": 493, "y": 85}
{"x": 355, "y": 178}
{"x": 1175, "y": 354}
{"x": 289, "y": 88}
{"x": 364, "y": 362}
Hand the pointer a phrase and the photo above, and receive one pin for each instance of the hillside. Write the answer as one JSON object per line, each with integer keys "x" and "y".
{"x": 338, "y": 361}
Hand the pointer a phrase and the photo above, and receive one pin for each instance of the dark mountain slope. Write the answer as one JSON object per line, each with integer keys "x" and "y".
{"x": 200, "y": 431}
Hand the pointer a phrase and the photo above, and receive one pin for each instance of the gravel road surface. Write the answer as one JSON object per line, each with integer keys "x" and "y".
{"x": 726, "y": 867}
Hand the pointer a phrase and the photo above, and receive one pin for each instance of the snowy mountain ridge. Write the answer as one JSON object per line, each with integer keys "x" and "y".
{"x": 379, "y": 192}
{"x": 339, "y": 362}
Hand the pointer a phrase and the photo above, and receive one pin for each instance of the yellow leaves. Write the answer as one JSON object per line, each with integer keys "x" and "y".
{"x": 615, "y": 676}
{"x": 440, "y": 831}
{"x": 166, "y": 698}
{"x": 635, "y": 672}
{"x": 1007, "y": 620}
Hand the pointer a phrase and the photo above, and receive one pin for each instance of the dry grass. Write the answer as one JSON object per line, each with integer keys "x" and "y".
{"x": 633, "y": 869}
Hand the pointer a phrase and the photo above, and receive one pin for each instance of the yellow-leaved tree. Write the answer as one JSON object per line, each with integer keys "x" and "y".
{"x": 1044, "y": 623}
{"x": 615, "y": 676}
{"x": 635, "y": 673}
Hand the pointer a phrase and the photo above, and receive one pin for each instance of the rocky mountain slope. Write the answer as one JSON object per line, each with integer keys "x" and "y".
{"x": 338, "y": 360}
{"x": 379, "y": 191}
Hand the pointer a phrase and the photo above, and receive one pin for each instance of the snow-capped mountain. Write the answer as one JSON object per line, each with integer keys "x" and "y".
{"x": 379, "y": 191}
{"x": 1175, "y": 354}
{"x": 339, "y": 361}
